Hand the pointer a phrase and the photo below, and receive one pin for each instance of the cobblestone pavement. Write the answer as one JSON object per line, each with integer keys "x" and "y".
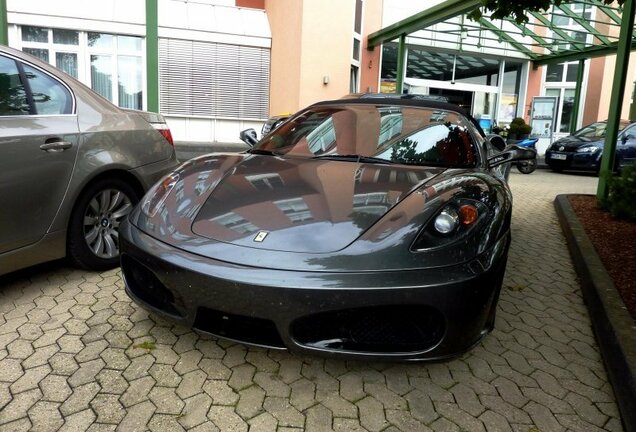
{"x": 76, "y": 354}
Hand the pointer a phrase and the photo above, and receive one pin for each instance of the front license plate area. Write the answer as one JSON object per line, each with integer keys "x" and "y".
{"x": 558, "y": 156}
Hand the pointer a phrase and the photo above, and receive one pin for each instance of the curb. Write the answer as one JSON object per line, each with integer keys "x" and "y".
{"x": 613, "y": 325}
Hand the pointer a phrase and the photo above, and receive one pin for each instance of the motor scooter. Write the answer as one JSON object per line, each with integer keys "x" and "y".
{"x": 528, "y": 166}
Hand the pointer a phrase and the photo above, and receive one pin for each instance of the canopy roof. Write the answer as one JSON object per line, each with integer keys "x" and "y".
{"x": 572, "y": 31}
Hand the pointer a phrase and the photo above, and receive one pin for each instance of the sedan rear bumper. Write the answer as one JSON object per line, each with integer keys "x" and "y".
{"x": 408, "y": 315}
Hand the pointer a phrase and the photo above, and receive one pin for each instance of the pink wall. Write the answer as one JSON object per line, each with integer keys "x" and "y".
{"x": 370, "y": 61}
{"x": 312, "y": 41}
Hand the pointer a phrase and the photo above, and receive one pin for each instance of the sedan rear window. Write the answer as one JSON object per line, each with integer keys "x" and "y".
{"x": 394, "y": 134}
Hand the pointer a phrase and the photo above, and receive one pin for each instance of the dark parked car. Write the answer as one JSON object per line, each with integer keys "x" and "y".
{"x": 72, "y": 166}
{"x": 362, "y": 227}
{"x": 583, "y": 149}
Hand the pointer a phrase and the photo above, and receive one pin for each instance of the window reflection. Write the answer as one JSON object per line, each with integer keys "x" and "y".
{"x": 13, "y": 100}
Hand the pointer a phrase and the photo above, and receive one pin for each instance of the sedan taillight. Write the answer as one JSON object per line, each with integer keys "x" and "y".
{"x": 163, "y": 129}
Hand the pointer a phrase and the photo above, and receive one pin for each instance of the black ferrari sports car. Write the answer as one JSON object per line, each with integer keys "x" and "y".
{"x": 371, "y": 227}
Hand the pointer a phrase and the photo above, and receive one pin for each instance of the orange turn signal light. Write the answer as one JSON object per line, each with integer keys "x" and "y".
{"x": 468, "y": 214}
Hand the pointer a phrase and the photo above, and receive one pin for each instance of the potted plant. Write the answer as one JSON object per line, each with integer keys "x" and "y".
{"x": 518, "y": 129}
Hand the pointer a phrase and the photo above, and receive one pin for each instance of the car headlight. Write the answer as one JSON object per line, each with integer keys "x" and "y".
{"x": 591, "y": 149}
{"x": 451, "y": 223}
{"x": 156, "y": 196}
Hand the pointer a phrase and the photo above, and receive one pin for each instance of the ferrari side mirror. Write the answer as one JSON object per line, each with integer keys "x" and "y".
{"x": 249, "y": 137}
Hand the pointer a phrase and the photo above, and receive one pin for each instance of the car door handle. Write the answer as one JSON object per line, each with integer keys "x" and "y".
{"x": 56, "y": 146}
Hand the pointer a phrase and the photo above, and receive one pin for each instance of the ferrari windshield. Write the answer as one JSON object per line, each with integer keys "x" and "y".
{"x": 376, "y": 133}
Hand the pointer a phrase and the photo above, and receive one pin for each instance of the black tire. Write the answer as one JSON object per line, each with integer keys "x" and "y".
{"x": 527, "y": 167}
{"x": 93, "y": 231}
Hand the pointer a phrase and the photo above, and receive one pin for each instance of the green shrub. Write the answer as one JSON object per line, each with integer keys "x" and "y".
{"x": 519, "y": 127}
{"x": 621, "y": 200}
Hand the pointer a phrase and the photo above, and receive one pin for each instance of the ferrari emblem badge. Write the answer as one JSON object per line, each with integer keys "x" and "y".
{"x": 260, "y": 236}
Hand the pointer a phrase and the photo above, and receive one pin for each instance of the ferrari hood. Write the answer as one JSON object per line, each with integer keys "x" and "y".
{"x": 300, "y": 204}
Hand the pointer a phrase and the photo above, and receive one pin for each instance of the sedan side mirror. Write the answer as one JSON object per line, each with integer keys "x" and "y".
{"x": 511, "y": 154}
{"x": 249, "y": 137}
{"x": 626, "y": 137}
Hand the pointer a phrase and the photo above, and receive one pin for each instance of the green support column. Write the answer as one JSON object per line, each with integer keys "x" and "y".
{"x": 577, "y": 97}
{"x": 152, "y": 55}
{"x": 401, "y": 64}
{"x": 616, "y": 100}
{"x": 4, "y": 27}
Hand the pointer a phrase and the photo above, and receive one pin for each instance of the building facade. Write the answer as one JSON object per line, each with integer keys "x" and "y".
{"x": 216, "y": 67}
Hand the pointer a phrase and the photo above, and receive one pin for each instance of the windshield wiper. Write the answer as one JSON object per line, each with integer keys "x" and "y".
{"x": 354, "y": 158}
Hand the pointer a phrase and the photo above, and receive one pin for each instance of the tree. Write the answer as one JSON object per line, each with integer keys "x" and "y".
{"x": 518, "y": 9}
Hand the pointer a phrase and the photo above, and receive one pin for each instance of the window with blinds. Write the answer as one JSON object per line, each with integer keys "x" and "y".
{"x": 213, "y": 80}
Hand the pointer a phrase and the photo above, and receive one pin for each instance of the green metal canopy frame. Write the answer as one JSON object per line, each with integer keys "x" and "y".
{"x": 550, "y": 44}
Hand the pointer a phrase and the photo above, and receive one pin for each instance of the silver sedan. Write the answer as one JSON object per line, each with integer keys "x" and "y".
{"x": 72, "y": 166}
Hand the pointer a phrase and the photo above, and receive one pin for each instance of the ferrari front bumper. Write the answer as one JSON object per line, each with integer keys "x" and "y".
{"x": 422, "y": 314}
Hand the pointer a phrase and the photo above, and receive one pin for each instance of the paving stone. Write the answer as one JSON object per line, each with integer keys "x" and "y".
{"x": 188, "y": 362}
{"x": 389, "y": 399}
{"x": 444, "y": 425}
{"x": 112, "y": 381}
{"x": 139, "y": 367}
{"x": 137, "y": 391}
{"x": 166, "y": 400}
{"x": 347, "y": 425}
{"x": 80, "y": 399}
{"x": 22, "y": 425}
{"x": 263, "y": 423}
{"x": 372, "y": 415}
{"x": 208, "y": 426}
{"x": 290, "y": 369}
{"x": 115, "y": 358}
{"x": 45, "y": 416}
{"x": 19, "y": 405}
{"x": 164, "y": 354}
{"x": 30, "y": 379}
{"x": 272, "y": 384}
{"x": 318, "y": 419}
{"x": 11, "y": 370}
{"x": 338, "y": 406}
{"x": 137, "y": 417}
{"x": 502, "y": 407}
{"x": 260, "y": 359}
{"x": 303, "y": 394}
{"x": 215, "y": 369}
{"x": 5, "y": 395}
{"x": 86, "y": 372}
{"x": 234, "y": 356}
{"x": 466, "y": 398}
{"x": 286, "y": 414}
{"x": 586, "y": 410}
{"x": 195, "y": 411}
{"x": 352, "y": 387}
{"x": 435, "y": 392}
{"x": 543, "y": 417}
{"x": 220, "y": 392}
{"x": 19, "y": 349}
{"x": 108, "y": 408}
{"x": 495, "y": 422}
{"x": 226, "y": 419}
{"x": 164, "y": 375}
{"x": 459, "y": 417}
{"x": 250, "y": 402}
{"x": 163, "y": 422}
{"x": 62, "y": 364}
